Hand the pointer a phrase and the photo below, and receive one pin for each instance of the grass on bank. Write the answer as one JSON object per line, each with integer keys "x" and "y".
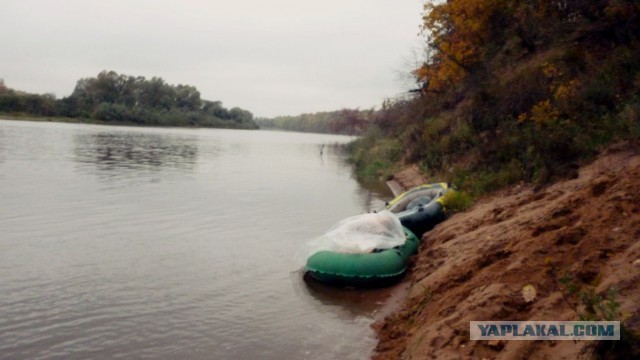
{"x": 375, "y": 156}
{"x": 590, "y": 305}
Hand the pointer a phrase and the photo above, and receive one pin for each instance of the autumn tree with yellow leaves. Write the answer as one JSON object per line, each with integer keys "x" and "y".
{"x": 467, "y": 34}
{"x": 516, "y": 90}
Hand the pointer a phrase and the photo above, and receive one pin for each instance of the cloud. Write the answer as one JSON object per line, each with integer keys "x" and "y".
{"x": 270, "y": 57}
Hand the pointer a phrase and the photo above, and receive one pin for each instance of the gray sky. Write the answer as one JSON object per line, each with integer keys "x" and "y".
{"x": 271, "y": 57}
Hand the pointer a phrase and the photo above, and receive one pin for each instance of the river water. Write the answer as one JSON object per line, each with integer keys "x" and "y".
{"x": 154, "y": 243}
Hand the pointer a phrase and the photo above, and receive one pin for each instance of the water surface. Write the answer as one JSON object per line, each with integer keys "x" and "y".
{"x": 172, "y": 243}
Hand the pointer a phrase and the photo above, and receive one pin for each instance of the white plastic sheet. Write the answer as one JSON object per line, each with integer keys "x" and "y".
{"x": 357, "y": 234}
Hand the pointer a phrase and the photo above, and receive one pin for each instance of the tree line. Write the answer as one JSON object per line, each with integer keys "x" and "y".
{"x": 122, "y": 99}
{"x": 344, "y": 122}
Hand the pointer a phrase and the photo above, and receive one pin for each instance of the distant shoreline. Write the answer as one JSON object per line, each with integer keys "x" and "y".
{"x": 24, "y": 117}
{"x": 68, "y": 120}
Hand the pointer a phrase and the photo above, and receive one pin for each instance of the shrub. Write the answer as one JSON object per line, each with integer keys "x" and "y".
{"x": 457, "y": 201}
{"x": 374, "y": 156}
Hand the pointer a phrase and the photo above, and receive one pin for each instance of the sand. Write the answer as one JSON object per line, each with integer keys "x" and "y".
{"x": 474, "y": 265}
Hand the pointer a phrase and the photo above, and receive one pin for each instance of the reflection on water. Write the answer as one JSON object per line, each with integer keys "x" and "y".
{"x": 133, "y": 151}
{"x": 191, "y": 261}
{"x": 3, "y": 150}
{"x": 347, "y": 303}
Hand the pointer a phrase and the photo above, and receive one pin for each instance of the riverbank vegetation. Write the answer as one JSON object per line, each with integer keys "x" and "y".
{"x": 512, "y": 91}
{"x": 526, "y": 93}
{"x": 112, "y": 98}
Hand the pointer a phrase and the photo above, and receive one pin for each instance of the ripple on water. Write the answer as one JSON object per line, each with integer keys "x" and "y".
{"x": 165, "y": 243}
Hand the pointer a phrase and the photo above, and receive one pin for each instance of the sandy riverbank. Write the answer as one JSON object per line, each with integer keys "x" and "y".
{"x": 474, "y": 265}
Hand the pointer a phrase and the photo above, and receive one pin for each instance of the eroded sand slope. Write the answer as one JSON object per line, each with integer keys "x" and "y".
{"x": 474, "y": 265}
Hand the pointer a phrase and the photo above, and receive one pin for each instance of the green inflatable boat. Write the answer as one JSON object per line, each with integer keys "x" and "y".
{"x": 418, "y": 211}
{"x": 375, "y": 269}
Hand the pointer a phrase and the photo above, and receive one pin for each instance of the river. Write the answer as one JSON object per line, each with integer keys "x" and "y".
{"x": 164, "y": 243}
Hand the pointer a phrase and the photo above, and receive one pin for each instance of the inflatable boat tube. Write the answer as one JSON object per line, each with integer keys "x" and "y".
{"x": 420, "y": 208}
{"x": 375, "y": 269}
{"x": 421, "y": 219}
{"x": 426, "y": 192}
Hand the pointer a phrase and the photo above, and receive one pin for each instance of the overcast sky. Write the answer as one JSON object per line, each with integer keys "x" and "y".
{"x": 271, "y": 57}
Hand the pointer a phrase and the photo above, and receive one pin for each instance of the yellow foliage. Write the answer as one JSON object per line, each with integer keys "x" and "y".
{"x": 544, "y": 113}
{"x": 564, "y": 91}
{"x": 561, "y": 91}
{"x": 459, "y": 29}
{"x": 523, "y": 117}
{"x": 551, "y": 71}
